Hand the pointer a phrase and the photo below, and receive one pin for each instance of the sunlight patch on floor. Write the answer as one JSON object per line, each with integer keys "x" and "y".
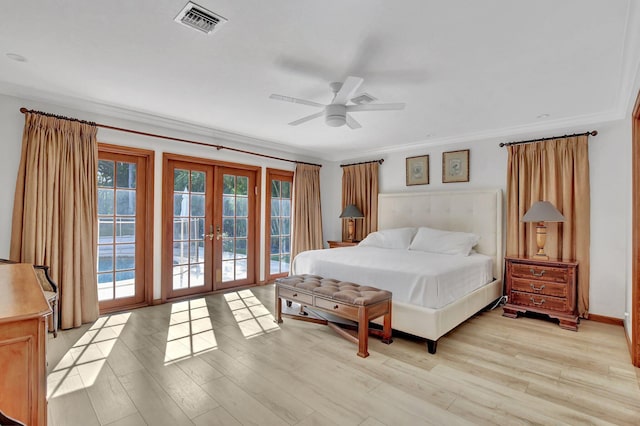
{"x": 190, "y": 330}
{"x": 250, "y": 314}
{"x": 80, "y": 366}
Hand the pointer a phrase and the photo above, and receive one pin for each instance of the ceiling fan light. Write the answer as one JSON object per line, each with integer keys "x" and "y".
{"x": 335, "y": 115}
{"x": 335, "y": 121}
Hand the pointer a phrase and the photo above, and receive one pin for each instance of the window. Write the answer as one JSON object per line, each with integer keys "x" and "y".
{"x": 278, "y": 219}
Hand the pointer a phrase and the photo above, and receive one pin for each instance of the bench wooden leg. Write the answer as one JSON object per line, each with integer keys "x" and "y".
{"x": 278, "y": 310}
{"x": 363, "y": 332}
{"x": 386, "y": 327}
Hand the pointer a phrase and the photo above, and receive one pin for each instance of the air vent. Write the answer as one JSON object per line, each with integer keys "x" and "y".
{"x": 363, "y": 99}
{"x": 199, "y": 18}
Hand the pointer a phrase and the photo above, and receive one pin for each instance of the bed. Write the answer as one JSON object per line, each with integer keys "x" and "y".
{"x": 421, "y": 310}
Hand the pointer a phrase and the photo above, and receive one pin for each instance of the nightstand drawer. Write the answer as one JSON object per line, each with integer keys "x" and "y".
{"x": 539, "y": 301}
{"x": 337, "y": 307}
{"x": 539, "y": 272}
{"x": 539, "y": 287}
{"x": 285, "y": 293}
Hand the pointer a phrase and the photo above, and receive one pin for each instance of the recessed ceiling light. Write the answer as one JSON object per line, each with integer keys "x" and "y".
{"x": 543, "y": 116}
{"x": 16, "y": 57}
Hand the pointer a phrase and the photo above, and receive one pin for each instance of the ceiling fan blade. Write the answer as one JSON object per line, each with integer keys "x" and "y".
{"x": 352, "y": 123}
{"x": 349, "y": 86}
{"x": 295, "y": 100}
{"x": 307, "y": 118}
{"x": 375, "y": 107}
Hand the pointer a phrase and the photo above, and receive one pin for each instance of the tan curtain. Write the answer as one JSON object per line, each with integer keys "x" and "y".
{"x": 307, "y": 214}
{"x": 360, "y": 187}
{"x": 557, "y": 171}
{"x": 54, "y": 214}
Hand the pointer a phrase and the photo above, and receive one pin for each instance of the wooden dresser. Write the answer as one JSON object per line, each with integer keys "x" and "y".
{"x": 23, "y": 375}
{"x": 334, "y": 244}
{"x": 544, "y": 286}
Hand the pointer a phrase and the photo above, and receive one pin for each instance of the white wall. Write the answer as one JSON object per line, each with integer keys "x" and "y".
{"x": 610, "y": 169}
{"x": 11, "y": 126}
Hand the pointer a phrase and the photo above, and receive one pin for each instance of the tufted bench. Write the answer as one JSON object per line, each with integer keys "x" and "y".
{"x": 340, "y": 298}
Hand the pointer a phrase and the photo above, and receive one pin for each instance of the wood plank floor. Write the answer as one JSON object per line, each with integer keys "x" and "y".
{"x": 221, "y": 360}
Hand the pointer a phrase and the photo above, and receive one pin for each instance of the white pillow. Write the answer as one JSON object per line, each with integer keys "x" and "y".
{"x": 444, "y": 242}
{"x": 398, "y": 238}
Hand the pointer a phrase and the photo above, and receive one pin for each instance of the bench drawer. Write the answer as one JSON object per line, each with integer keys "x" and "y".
{"x": 340, "y": 309}
{"x": 295, "y": 296}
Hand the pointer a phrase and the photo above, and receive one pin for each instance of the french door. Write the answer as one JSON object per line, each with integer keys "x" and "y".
{"x": 209, "y": 227}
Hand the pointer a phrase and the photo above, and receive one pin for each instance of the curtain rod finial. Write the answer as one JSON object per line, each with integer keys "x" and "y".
{"x": 23, "y": 110}
{"x": 594, "y": 133}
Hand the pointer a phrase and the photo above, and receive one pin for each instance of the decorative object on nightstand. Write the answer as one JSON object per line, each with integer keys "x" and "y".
{"x": 351, "y": 212}
{"x": 541, "y": 212}
{"x": 542, "y": 286}
{"x": 336, "y": 244}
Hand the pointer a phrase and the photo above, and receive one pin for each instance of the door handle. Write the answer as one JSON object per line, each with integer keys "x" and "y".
{"x": 210, "y": 234}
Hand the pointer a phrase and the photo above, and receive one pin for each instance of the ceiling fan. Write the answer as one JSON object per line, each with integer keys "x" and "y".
{"x": 336, "y": 113}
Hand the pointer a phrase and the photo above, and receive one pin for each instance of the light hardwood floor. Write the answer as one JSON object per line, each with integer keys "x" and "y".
{"x": 221, "y": 360}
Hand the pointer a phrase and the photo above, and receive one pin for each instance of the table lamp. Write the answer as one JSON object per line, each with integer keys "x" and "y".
{"x": 541, "y": 212}
{"x": 351, "y": 212}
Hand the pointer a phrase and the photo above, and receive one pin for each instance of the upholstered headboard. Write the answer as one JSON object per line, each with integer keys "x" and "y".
{"x": 478, "y": 211}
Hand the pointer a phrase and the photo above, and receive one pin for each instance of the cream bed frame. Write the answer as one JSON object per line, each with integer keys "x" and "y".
{"x": 479, "y": 212}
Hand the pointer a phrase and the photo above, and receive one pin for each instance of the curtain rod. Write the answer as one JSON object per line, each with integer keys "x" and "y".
{"x": 591, "y": 133}
{"x": 154, "y": 135}
{"x": 380, "y": 161}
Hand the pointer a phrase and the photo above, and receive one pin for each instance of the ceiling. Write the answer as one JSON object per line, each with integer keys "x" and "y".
{"x": 466, "y": 69}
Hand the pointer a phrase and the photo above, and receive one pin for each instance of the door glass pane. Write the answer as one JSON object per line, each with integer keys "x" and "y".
{"x": 189, "y": 205}
{"x": 116, "y": 227}
{"x": 280, "y": 247}
{"x": 235, "y": 227}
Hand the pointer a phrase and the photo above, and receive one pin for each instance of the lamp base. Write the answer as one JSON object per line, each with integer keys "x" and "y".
{"x": 541, "y": 256}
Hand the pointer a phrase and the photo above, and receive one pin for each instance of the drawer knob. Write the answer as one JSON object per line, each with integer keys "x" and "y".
{"x": 335, "y": 306}
{"x": 534, "y": 288}
{"x": 296, "y": 294}
{"x": 538, "y": 274}
{"x": 536, "y": 303}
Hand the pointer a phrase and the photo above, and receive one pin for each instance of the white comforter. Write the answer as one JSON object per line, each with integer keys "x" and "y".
{"x": 420, "y": 278}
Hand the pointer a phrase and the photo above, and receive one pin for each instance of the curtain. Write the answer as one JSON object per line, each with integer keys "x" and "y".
{"x": 307, "y": 214}
{"x": 360, "y": 187}
{"x": 557, "y": 171}
{"x": 54, "y": 213}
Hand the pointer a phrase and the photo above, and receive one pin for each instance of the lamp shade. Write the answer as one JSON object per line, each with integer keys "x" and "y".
{"x": 351, "y": 212}
{"x": 543, "y": 211}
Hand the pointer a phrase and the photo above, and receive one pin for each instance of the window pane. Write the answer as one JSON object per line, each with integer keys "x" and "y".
{"x": 284, "y": 266}
{"x": 125, "y": 202}
{"x": 241, "y": 228}
{"x": 197, "y": 252}
{"x": 275, "y": 208}
{"x": 242, "y": 183}
{"x": 274, "y": 265}
{"x": 275, "y": 189}
{"x": 286, "y": 226}
{"x": 229, "y": 184}
{"x": 105, "y": 173}
{"x": 242, "y": 207}
{"x": 105, "y": 258}
{"x": 180, "y": 180}
{"x": 228, "y": 206}
{"x": 125, "y": 284}
{"x": 197, "y": 228}
{"x": 180, "y": 253}
{"x": 125, "y": 256}
{"x": 241, "y": 248}
{"x": 105, "y": 286}
{"x": 126, "y": 177}
{"x": 196, "y": 275}
{"x": 228, "y": 270}
{"x": 125, "y": 229}
{"x": 286, "y": 189}
{"x": 180, "y": 277}
{"x": 105, "y": 201}
{"x": 275, "y": 246}
{"x": 197, "y": 182}
{"x": 241, "y": 269}
{"x": 197, "y": 205}
{"x": 180, "y": 229}
{"x": 228, "y": 228}
{"x": 275, "y": 227}
{"x": 286, "y": 207}
{"x": 284, "y": 245}
{"x": 227, "y": 248}
{"x": 180, "y": 205}
{"x": 105, "y": 230}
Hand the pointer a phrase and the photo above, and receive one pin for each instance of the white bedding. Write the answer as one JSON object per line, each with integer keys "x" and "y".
{"x": 429, "y": 280}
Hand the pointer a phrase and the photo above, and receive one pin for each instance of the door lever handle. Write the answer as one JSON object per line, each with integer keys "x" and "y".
{"x": 210, "y": 234}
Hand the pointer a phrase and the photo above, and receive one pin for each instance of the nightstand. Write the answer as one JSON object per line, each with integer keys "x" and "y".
{"x": 542, "y": 286}
{"x": 334, "y": 244}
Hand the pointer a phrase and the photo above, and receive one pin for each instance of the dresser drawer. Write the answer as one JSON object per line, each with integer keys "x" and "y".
{"x": 343, "y": 310}
{"x": 294, "y": 295}
{"x": 539, "y": 287}
{"x": 539, "y": 272}
{"x": 539, "y": 301}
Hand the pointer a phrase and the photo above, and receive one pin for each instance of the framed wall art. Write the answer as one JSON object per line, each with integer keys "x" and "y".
{"x": 455, "y": 166}
{"x": 418, "y": 170}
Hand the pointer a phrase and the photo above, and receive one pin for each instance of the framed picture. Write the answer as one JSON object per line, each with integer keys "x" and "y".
{"x": 418, "y": 170}
{"x": 455, "y": 166}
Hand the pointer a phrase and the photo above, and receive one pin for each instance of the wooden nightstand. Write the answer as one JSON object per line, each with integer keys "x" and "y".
{"x": 334, "y": 244}
{"x": 543, "y": 286}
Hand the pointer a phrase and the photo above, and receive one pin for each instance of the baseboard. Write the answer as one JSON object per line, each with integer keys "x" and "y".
{"x": 606, "y": 320}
